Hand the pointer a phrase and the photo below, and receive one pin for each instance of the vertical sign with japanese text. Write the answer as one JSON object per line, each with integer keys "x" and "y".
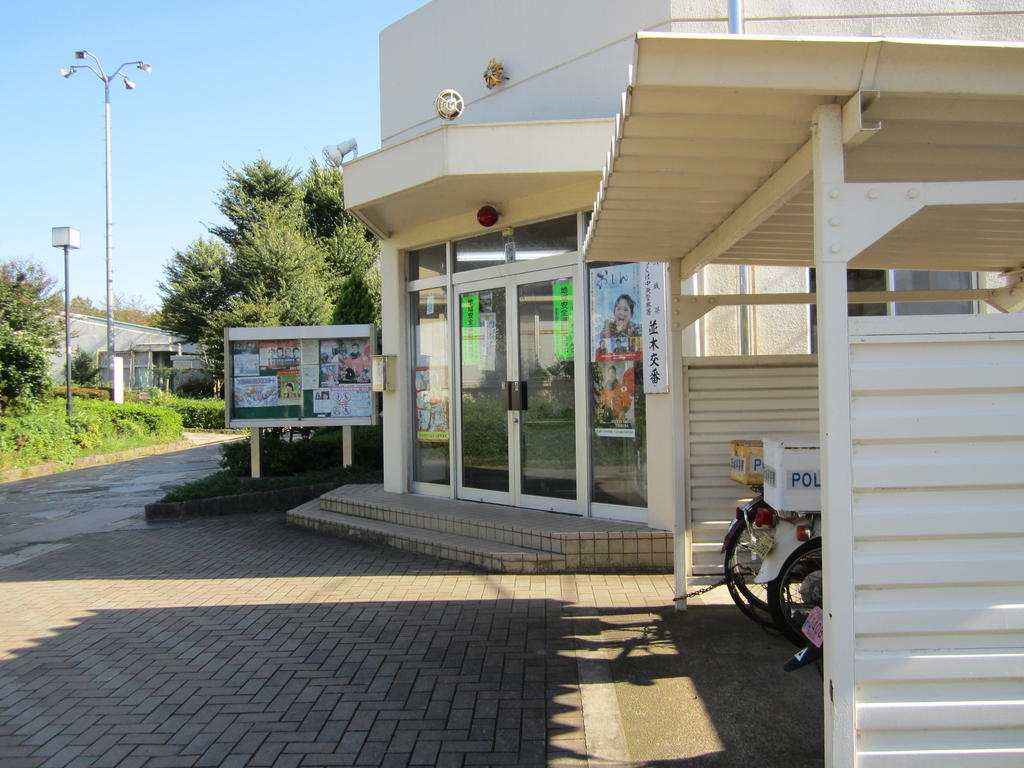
{"x": 655, "y": 326}
{"x": 471, "y": 330}
{"x": 562, "y": 320}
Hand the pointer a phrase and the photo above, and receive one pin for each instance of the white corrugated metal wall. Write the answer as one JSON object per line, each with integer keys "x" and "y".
{"x": 937, "y": 420}
{"x": 736, "y": 398}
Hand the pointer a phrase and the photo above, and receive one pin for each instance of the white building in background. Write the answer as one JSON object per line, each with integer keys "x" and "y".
{"x": 829, "y": 136}
{"x": 149, "y": 354}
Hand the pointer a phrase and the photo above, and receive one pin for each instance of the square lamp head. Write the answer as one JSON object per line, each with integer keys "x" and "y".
{"x": 66, "y": 237}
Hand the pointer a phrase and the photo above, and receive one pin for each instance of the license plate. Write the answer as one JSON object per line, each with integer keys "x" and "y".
{"x": 764, "y": 545}
{"x": 813, "y": 627}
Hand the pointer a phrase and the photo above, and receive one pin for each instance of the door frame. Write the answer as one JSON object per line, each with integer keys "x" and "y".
{"x": 510, "y": 281}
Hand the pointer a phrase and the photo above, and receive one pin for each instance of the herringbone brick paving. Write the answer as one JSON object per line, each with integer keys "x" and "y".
{"x": 239, "y": 642}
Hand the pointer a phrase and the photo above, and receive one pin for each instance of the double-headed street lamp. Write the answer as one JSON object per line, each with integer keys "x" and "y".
{"x": 102, "y": 75}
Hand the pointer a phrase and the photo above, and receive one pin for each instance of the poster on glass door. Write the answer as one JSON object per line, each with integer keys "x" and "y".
{"x": 616, "y": 347}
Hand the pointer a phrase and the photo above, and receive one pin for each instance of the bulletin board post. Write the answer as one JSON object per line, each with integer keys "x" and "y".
{"x": 300, "y": 376}
{"x": 254, "y": 451}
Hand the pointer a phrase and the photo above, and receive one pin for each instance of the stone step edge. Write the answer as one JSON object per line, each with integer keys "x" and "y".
{"x": 567, "y": 543}
{"x": 503, "y": 558}
{"x": 446, "y": 546}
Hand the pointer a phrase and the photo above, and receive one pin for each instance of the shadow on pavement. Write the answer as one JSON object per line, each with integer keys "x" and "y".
{"x": 262, "y": 657}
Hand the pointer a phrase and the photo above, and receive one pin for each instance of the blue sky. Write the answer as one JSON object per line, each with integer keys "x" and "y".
{"x": 232, "y": 80}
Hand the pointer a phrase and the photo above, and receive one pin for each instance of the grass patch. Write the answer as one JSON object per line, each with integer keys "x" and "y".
{"x": 227, "y": 483}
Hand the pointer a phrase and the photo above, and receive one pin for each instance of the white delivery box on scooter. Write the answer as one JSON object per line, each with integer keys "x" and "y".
{"x": 792, "y": 473}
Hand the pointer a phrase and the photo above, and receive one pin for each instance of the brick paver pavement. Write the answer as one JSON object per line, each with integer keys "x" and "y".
{"x": 239, "y": 642}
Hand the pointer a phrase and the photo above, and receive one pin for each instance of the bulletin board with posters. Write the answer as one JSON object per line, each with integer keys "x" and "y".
{"x": 311, "y": 375}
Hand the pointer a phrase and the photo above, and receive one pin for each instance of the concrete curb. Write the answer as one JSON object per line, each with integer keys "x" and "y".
{"x": 54, "y": 467}
{"x": 197, "y": 440}
{"x": 261, "y": 501}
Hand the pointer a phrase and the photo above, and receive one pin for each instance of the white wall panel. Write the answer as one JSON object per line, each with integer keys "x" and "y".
{"x": 937, "y": 421}
{"x": 736, "y": 398}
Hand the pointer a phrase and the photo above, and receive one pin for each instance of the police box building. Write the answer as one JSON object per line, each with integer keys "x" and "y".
{"x": 615, "y": 237}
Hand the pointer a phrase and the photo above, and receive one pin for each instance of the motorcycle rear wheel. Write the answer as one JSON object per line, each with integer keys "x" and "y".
{"x": 741, "y": 567}
{"x": 789, "y": 604}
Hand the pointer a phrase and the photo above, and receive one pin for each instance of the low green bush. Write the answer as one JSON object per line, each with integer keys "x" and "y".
{"x": 207, "y": 413}
{"x": 40, "y": 431}
{"x": 287, "y": 452}
{"x": 87, "y": 393}
{"x": 138, "y": 419}
{"x": 35, "y": 433}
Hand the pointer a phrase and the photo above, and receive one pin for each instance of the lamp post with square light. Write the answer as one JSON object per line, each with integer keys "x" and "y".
{"x": 66, "y": 238}
{"x": 128, "y": 84}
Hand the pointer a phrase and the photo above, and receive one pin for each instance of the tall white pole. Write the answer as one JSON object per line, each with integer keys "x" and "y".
{"x": 109, "y": 233}
{"x": 102, "y": 75}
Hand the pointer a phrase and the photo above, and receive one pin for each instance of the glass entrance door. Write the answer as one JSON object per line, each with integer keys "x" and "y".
{"x": 517, "y": 392}
{"x": 484, "y": 414}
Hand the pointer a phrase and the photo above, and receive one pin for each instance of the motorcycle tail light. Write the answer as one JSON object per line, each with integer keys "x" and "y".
{"x": 803, "y": 533}
{"x": 739, "y": 513}
{"x": 765, "y": 517}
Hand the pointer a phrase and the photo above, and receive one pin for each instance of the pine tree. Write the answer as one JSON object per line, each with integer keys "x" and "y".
{"x": 289, "y": 252}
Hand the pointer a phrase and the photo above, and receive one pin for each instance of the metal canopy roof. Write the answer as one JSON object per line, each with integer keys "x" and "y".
{"x": 711, "y": 160}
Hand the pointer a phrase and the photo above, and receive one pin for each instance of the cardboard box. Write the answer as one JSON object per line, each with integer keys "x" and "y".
{"x": 746, "y": 462}
{"x": 792, "y": 473}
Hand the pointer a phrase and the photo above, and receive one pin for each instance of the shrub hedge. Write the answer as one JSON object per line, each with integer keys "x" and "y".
{"x": 40, "y": 431}
{"x": 294, "y": 452}
{"x": 207, "y": 413}
{"x": 90, "y": 393}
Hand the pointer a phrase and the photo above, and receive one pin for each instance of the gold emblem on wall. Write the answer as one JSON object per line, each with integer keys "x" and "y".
{"x": 494, "y": 74}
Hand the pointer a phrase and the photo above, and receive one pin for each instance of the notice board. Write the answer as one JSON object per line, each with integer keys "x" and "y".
{"x": 310, "y": 375}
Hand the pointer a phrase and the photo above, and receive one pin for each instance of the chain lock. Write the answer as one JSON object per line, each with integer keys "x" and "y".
{"x": 699, "y": 592}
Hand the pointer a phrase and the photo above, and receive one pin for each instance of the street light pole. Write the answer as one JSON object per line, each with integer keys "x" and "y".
{"x": 66, "y": 238}
{"x": 129, "y": 85}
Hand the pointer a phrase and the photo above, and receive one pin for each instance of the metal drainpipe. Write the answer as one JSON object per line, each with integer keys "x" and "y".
{"x": 736, "y": 19}
{"x": 736, "y": 25}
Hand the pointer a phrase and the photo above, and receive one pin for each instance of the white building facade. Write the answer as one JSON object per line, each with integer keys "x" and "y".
{"x": 823, "y": 138}
{"x": 533, "y": 147}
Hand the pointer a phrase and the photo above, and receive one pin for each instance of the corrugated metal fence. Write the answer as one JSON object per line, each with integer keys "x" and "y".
{"x": 736, "y": 398}
{"x": 938, "y": 504}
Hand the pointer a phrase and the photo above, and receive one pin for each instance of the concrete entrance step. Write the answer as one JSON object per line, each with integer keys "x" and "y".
{"x": 491, "y": 536}
{"x": 489, "y": 555}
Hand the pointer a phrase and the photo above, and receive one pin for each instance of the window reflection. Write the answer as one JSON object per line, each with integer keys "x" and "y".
{"x": 431, "y": 387}
{"x": 478, "y": 252}
{"x": 427, "y": 262}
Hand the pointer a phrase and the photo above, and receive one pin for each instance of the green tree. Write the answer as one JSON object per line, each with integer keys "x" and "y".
{"x": 277, "y": 263}
{"x": 84, "y": 370}
{"x": 197, "y": 282}
{"x": 29, "y": 327}
{"x": 355, "y": 302}
{"x": 283, "y": 258}
{"x": 349, "y": 247}
{"x": 250, "y": 194}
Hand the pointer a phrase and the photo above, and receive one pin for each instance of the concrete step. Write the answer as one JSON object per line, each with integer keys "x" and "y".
{"x": 488, "y": 555}
{"x": 495, "y": 537}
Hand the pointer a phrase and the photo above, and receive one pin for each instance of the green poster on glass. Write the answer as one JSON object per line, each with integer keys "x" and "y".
{"x": 562, "y": 322}
{"x": 471, "y": 330}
